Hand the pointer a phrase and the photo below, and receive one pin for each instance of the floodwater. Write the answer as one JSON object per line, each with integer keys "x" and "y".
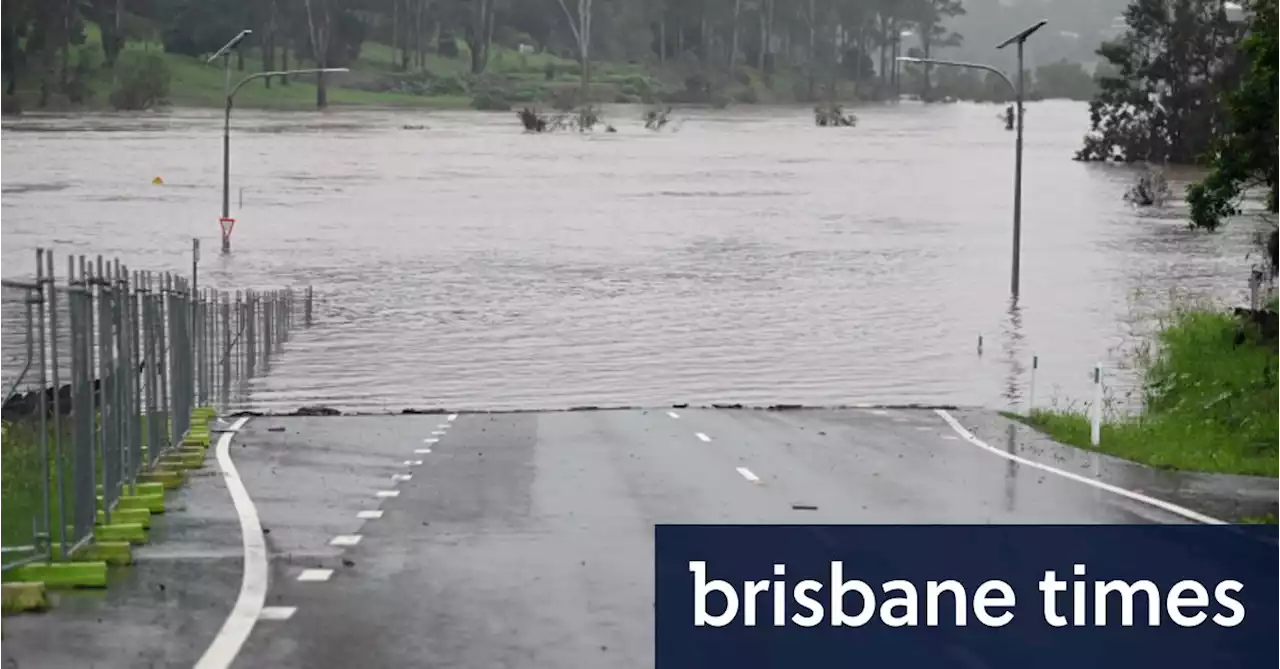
{"x": 749, "y": 257}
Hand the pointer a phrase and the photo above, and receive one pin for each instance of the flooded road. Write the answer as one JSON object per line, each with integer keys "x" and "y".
{"x": 749, "y": 257}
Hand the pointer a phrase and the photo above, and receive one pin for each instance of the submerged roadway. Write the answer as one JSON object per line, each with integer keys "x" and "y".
{"x": 516, "y": 539}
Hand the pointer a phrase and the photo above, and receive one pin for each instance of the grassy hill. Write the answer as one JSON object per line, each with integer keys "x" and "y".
{"x": 510, "y": 79}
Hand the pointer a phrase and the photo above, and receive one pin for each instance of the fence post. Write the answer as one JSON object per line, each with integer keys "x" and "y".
{"x": 42, "y": 540}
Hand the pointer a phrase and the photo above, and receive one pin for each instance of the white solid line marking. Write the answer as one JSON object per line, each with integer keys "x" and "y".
{"x": 401, "y": 477}
{"x": 314, "y": 575}
{"x": 673, "y": 414}
{"x": 253, "y": 584}
{"x": 345, "y": 540}
{"x": 702, "y": 436}
{"x": 748, "y": 475}
{"x": 277, "y": 612}
{"x": 370, "y": 515}
{"x": 430, "y": 441}
{"x": 1135, "y": 496}
{"x": 388, "y": 493}
{"x": 453, "y": 417}
{"x": 421, "y": 451}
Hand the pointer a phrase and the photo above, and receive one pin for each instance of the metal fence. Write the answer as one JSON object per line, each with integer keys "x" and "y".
{"x": 102, "y": 369}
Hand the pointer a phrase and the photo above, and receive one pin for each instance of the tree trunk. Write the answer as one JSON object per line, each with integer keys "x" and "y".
{"x": 662, "y": 40}
{"x": 733, "y": 42}
{"x": 284, "y": 63}
{"x": 925, "y": 46}
{"x": 269, "y": 43}
{"x": 395, "y": 29}
{"x": 813, "y": 50}
{"x": 322, "y": 95}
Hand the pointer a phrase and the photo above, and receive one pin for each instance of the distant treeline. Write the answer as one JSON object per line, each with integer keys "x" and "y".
{"x": 816, "y": 49}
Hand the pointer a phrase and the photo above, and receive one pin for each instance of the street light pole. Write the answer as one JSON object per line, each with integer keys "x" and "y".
{"x": 1018, "y": 92}
{"x": 226, "y": 141}
{"x": 225, "y": 53}
{"x": 1018, "y": 39}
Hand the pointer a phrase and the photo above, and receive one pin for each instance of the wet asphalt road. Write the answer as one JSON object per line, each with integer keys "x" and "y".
{"x": 522, "y": 539}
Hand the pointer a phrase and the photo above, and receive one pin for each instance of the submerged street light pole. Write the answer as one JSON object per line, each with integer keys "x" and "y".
{"x": 1018, "y": 92}
{"x": 227, "y": 222}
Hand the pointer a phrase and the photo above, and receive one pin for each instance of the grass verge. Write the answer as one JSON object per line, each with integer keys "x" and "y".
{"x": 1211, "y": 402}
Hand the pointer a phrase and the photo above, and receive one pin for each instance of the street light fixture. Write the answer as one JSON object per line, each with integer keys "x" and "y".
{"x": 227, "y": 222}
{"x": 1018, "y": 90}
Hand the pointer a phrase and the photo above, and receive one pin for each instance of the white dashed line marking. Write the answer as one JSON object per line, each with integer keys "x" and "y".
{"x": 413, "y": 463}
{"x": 949, "y": 437}
{"x": 437, "y": 432}
{"x": 748, "y": 475}
{"x": 924, "y": 428}
{"x": 345, "y": 540}
{"x": 421, "y": 451}
{"x": 443, "y": 426}
{"x": 402, "y": 477}
{"x": 314, "y": 575}
{"x": 453, "y": 417}
{"x": 370, "y": 515}
{"x": 880, "y": 412}
{"x": 673, "y": 414}
{"x": 702, "y": 436}
{"x": 388, "y": 493}
{"x": 277, "y": 612}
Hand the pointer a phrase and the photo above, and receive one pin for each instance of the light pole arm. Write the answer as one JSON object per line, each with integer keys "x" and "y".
{"x": 957, "y": 63}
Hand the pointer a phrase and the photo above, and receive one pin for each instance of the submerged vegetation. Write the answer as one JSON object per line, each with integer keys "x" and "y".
{"x": 1210, "y": 395}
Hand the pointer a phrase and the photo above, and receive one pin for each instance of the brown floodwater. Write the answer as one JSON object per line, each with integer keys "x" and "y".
{"x": 747, "y": 257}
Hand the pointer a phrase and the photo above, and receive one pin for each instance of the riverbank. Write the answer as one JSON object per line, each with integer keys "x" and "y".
{"x": 1211, "y": 401}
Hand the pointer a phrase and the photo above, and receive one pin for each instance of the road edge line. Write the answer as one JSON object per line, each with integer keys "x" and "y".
{"x": 244, "y": 614}
{"x": 1135, "y": 496}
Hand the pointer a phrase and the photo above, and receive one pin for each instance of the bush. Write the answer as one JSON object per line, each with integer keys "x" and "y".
{"x": 452, "y": 84}
{"x": 746, "y": 95}
{"x": 490, "y": 101}
{"x": 524, "y": 94}
{"x": 627, "y": 99}
{"x": 142, "y": 81}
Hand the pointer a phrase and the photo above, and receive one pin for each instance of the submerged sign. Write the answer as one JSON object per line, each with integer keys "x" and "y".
{"x": 988, "y": 596}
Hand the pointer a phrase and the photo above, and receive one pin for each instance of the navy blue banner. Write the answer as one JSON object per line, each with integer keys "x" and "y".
{"x": 985, "y": 596}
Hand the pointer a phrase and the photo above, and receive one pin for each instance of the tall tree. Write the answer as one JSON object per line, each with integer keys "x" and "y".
{"x": 1244, "y": 156}
{"x": 1172, "y": 66}
{"x": 481, "y": 16}
{"x": 581, "y": 27}
{"x": 930, "y": 21}
{"x": 319, "y": 22}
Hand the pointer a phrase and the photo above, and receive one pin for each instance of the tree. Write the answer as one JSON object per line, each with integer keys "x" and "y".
{"x": 581, "y": 27}
{"x": 1172, "y": 65}
{"x": 929, "y": 20}
{"x": 318, "y": 29}
{"x": 480, "y": 33}
{"x": 1244, "y": 156}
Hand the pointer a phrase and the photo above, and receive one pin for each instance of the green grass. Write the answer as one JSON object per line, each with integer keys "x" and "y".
{"x": 21, "y": 473}
{"x": 1211, "y": 405}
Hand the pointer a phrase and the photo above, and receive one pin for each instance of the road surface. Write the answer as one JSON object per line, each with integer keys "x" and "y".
{"x": 513, "y": 539}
